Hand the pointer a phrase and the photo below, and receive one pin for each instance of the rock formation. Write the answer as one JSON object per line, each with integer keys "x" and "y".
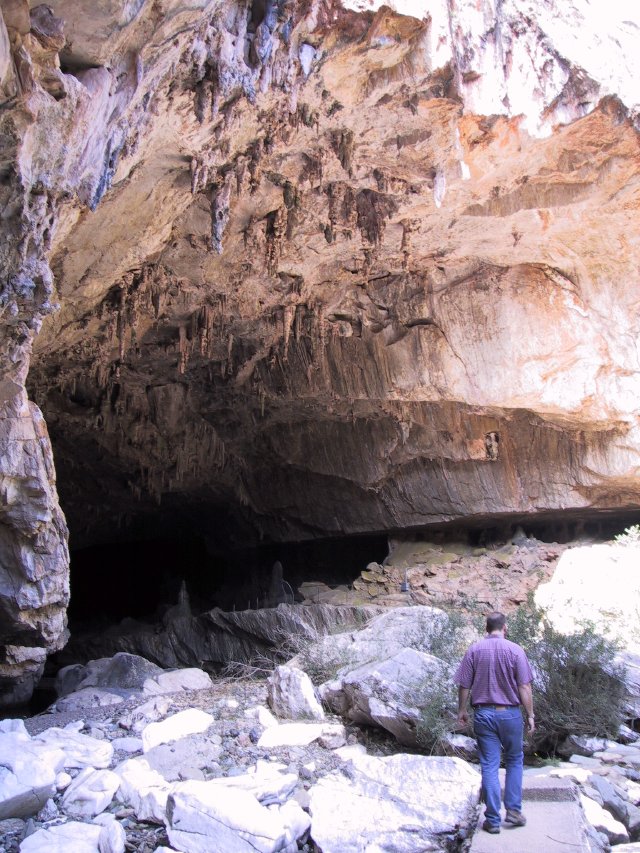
{"x": 287, "y": 270}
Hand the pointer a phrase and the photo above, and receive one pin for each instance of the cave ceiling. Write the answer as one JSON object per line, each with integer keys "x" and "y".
{"x": 309, "y": 292}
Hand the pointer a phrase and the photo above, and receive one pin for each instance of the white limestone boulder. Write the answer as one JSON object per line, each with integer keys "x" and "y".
{"x": 175, "y": 680}
{"x": 388, "y": 692}
{"x": 581, "y": 745}
{"x": 75, "y": 837}
{"x": 143, "y": 789}
{"x": 112, "y": 837}
{"x": 407, "y": 803}
{"x": 381, "y": 638}
{"x": 206, "y": 818}
{"x": 266, "y": 782}
{"x": 292, "y": 695}
{"x": 188, "y": 722}
{"x": 603, "y": 822}
{"x": 297, "y": 734}
{"x": 79, "y": 750}
{"x": 149, "y": 712}
{"x": 27, "y": 774}
{"x": 90, "y": 793}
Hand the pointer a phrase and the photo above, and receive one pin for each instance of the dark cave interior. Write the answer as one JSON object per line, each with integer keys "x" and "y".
{"x": 142, "y": 578}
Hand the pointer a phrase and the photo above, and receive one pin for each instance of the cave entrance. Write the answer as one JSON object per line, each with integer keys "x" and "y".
{"x": 141, "y": 579}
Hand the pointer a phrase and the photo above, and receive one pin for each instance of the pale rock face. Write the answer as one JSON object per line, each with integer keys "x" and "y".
{"x": 178, "y": 725}
{"x": 292, "y": 696}
{"x": 90, "y": 793}
{"x": 387, "y": 693}
{"x": 144, "y": 789}
{"x": 298, "y": 734}
{"x": 202, "y": 818}
{"x": 80, "y": 750}
{"x": 405, "y": 801}
{"x": 79, "y": 837}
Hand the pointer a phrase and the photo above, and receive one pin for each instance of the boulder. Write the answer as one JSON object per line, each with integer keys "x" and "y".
{"x": 87, "y": 698}
{"x": 381, "y": 638}
{"x": 266, "y": 782}
{"x": 388, "y": 692}
{"x": 124, "y": 671}
{"x": 176, "y": 680}
{"x": 74, "y": 837}
{"x": 297, "y": 734}
{"x": 179, "y": 725}
{"x": 150, "y": 712}
{"x": 90, "y": 793}
{"x": 112, "y": 837}
{"x": 404, "y": 802}
{"x": 581, "y": 745}
{"x": 143, "y": 789}
{"x": 79, "y": 750}
{"x": 27, "y": 775}
{"x": 207, "y": 818}
{"x": 292, "y": 696}
{"x": 603, "y": 822}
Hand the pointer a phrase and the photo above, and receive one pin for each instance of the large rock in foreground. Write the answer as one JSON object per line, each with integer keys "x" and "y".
{"x": 408, "y": 803}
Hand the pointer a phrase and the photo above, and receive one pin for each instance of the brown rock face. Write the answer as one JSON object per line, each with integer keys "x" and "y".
{"x": 316, "y": 270}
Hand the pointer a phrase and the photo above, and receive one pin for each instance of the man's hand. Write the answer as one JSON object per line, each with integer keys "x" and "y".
{"x": 463, "y": 702}
{"x": 531, "y": 724}
{"x": 463, "y": 719}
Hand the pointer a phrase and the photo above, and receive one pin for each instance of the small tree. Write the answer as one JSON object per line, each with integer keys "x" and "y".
{"x": 577, "y": 688}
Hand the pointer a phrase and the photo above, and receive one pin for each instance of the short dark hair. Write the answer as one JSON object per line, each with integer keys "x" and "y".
{"x": 495, "y": 622}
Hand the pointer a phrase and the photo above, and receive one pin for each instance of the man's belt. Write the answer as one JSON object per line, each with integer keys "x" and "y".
{"x": 496, "y": 707}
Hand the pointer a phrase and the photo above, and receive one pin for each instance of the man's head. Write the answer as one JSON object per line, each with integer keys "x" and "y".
{"x": 496, "y": 622}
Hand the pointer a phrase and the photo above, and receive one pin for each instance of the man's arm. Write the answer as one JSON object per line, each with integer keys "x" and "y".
{"x": 526, "y": 697}
{"x": 463, "y": 700}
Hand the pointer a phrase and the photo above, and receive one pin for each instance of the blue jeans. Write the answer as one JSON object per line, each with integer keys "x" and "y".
{"x": 496, "y": 731}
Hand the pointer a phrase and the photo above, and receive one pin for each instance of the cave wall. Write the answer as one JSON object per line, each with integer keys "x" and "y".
{"x": 286, "y": 270}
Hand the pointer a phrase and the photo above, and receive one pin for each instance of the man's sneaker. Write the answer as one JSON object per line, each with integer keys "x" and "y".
{"x": 490, "y": 827}
{"x": 514, "y": 818}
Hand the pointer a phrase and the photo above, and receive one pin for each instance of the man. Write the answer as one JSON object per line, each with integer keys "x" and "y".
{"x": 496, "y": 674}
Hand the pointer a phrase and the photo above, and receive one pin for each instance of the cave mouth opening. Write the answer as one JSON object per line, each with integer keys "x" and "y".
{"x": 141, "y": 579}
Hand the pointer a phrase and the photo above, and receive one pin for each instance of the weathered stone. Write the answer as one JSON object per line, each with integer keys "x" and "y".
{"x": 603, "y": 822}
{"x": 404, "y": 802}
{"x": 143, "y": 789}
{"x": 174, "y": 727}
{"x": 297, "y": 734}
{"x": 292, "y": 696}
{"x": 206, "y": 818}
{"x": 90, "y": 793}
{"x": 79, "y": 750}
{"x": 124, "y": 671}
{"x": 388, "y": 693}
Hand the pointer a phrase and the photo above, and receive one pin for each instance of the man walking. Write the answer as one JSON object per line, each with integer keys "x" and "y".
{"x": 496, "y": 674}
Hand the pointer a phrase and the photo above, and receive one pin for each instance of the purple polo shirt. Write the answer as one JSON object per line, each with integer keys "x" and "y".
{"x": 492, "y": 669}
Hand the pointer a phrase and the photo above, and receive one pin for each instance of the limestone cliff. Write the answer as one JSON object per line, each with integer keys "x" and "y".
{"x": 300, "y": 269}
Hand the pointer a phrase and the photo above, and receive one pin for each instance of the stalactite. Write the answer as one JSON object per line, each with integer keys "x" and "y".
{"x": 288, "y": 317}
{"x": 343, "y": 144}
{"x": 275, "y": 231}
{"x": 220, "y": 211}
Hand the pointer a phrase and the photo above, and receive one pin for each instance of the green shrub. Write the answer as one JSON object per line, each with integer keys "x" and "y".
{"x": 577, "y": 687}
{"x": 631, "y": 536}
{"x": 437, "y": 701}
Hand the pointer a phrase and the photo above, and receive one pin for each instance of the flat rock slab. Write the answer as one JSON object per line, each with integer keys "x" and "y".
{"x": 552, "y": 827}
